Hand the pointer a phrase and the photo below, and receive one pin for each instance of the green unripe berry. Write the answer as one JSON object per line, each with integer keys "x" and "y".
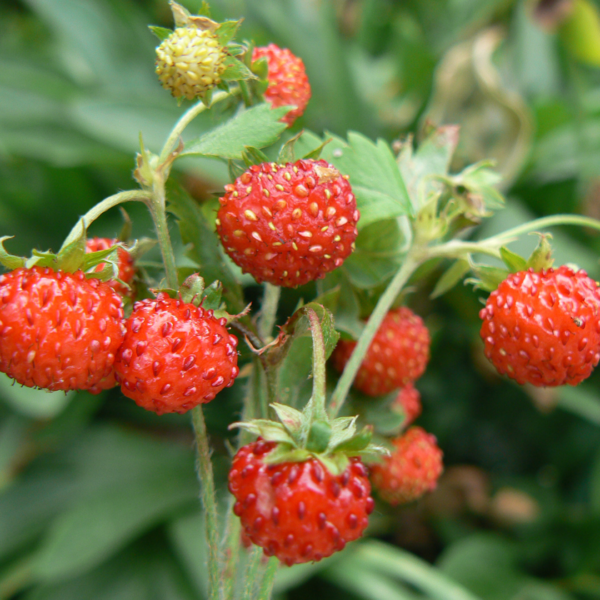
{"x": 189, "y": 62}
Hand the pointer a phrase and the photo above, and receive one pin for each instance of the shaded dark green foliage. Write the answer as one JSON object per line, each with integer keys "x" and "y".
{"x": 98, "y": 498}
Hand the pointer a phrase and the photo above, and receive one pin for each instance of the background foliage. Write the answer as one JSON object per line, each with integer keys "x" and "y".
{"x": 98, "y": 499}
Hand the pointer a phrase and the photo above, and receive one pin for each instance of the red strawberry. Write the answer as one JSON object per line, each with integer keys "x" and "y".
{"x": 412, "y": 470}
{"x": 409, "y": 402}
{"x": 126, "y": 268}
{"x": 298, "y": 512}
{"x": 543, "y": 328}
{"x": 397, "y": 355}
{"x": 288, "y": 224}
{"x": 288, "y": 83}
{"x": 58, "y": 330}
{"x": 175, "y": 356}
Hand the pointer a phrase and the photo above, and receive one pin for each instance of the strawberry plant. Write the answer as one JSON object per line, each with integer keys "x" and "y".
{"x": 278, "y": 317}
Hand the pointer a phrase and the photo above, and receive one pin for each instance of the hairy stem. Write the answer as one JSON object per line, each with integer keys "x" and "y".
{"x": 268, "y": 312}
{"x": 253, "y": 573}
{"x": 319, "y": 383}
{"x": 185, "y": 120}
{"x": 266, "y": 586}
{"x": 385, "y": 302}
{"x": 106, "y": 204}
{"x": 207, "y": 485}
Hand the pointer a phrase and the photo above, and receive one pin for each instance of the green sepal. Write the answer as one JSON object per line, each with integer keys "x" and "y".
{"x": 212, "y": 298}
{"x": 290, "y": 418}
{"x": 488, "y": 278}
{"x": 191, "y": 289}
{"x": 286, "y": 154}
{"x": 253, "y": 156}
{"x": 541, "y": 257}
{"x": 286, "y": 453}
{"x": 316, "y": 153}
{"x": 235, "y": 169}
{"x": 343, "y": 428}
{"x": 207, "y": 98}
{"x": 109, "y": 257}
{"x": 127, "y": 228}
{"x": 512, "y": 260}
{"x": 10, "y": 261}
{"x": 260, "y": 67}
{"x": 70, "y": 257}
{"x": 268, "y": 430}
{"x": 358, "y": 442}
{"x": 235, "y": 70}
{"x": 226, "y": 31}
{"x": 319, "y": 436}
{"x": 336, "y": 464}
{"x": 140, "y": 247}
{"x": 450, "y": 278}
{"x": 162, "y": 33}
{"x": 236, "y": 49}
{"x": 204, "y": 9}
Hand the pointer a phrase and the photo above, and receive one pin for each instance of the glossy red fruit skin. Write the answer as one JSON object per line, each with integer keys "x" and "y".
{"x": 543, "y": 327}
{"x": 396, "y": 357}
{"x": 58, "y": 330}
{"x": 298, "y": 512}
{"x": 288, "y": 82}
{"x": 288, "y": 224}
{"x": 409, "y": 402}
{"x": 126, "y": 264}
{"x": 174, "y": 356}
{"x": 412, "y": 470}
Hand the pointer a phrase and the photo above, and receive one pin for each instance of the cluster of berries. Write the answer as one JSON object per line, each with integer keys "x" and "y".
{"x": 397, "y": 356}
{"x": 64, "y": 331}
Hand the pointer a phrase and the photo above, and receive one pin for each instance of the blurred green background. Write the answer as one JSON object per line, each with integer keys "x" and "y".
{"x": 98, "y": 498}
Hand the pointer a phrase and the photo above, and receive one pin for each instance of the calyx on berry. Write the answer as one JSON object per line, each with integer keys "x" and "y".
{"x": 300, "y": 435}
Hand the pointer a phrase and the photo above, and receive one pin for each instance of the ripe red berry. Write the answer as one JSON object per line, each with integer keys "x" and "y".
{"x": 397, "y": 355}
{"x": 412, "y": 470}
{"x": 288, "y": 224}
{"x": 288, "y": 83}
{"x": 298, "y": 512}
{"x": 409, "y": 402}
{"x": 543, "y": 328}
{"x": 58, "y": 330}
{"x": 175, "y": 356}
{"x": 126, "y": 268}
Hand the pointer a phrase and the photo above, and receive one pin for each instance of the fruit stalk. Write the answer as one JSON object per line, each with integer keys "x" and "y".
{"x": 318, "y": 374}
{"x": 411, "y": 262}
{"x": 253, "y": 573}
{"x": 268, "y": 311}
{"x": 266, "y": 586}
{"x": 207, "y": 485}
{"x": 106, "y": 204}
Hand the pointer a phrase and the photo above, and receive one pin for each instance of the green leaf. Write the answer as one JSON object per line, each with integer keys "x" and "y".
{"x": 203, "y": 246}
{"x": 450, "y": 278}
{"x": 257, "y": 127}
{"x": 374, "y": 176}
{"x": 432, "y": 157}
{"x": 162, "y": 33}
{"x": 512, "y": 260}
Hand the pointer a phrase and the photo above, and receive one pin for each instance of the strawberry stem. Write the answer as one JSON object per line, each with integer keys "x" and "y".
{"x": 268, "y": 311}
{"x": 268, "y": 580}
{"x": 106, "y": 204}
{"x": 207, "y": 485}
{"x": 319, "y": 412}
{"x": 252, "y": 573}
{"x": 411, "y": 262}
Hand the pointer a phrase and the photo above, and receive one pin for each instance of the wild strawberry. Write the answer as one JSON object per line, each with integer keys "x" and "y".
{"x": 543, "y": 328}
{"x": 189, "y": 63}
{"x": 397, "y": 355}
{"x": 175, "y": 356}
{"x": 58, "y": 330}
{"x": 409, "y": 403}
{"x": 288, "y": 83}
{"x": 412, "y": 469}
{"x": 288, "y": 224}
{"x": 126, "y": 268}
{"x": 298, "y": 511}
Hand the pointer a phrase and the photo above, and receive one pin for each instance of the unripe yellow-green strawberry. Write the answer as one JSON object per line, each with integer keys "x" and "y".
{"x": 189, "y": 62}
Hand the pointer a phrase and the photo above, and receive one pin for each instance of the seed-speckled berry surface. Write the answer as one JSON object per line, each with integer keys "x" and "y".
{"x": 288, "y": 224}
{"x": 58, "y": 331}
{"x": 175, "y": 356}
{"x": 126, "y": 264}
{"x": 298, "y": 512}
{"x": 288, "y": 82}
{"x": 543, "y": 327}
{"x": 396, "y": 357}
{"x": 413, "y": 468}
{"x": 408, "y": 401}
